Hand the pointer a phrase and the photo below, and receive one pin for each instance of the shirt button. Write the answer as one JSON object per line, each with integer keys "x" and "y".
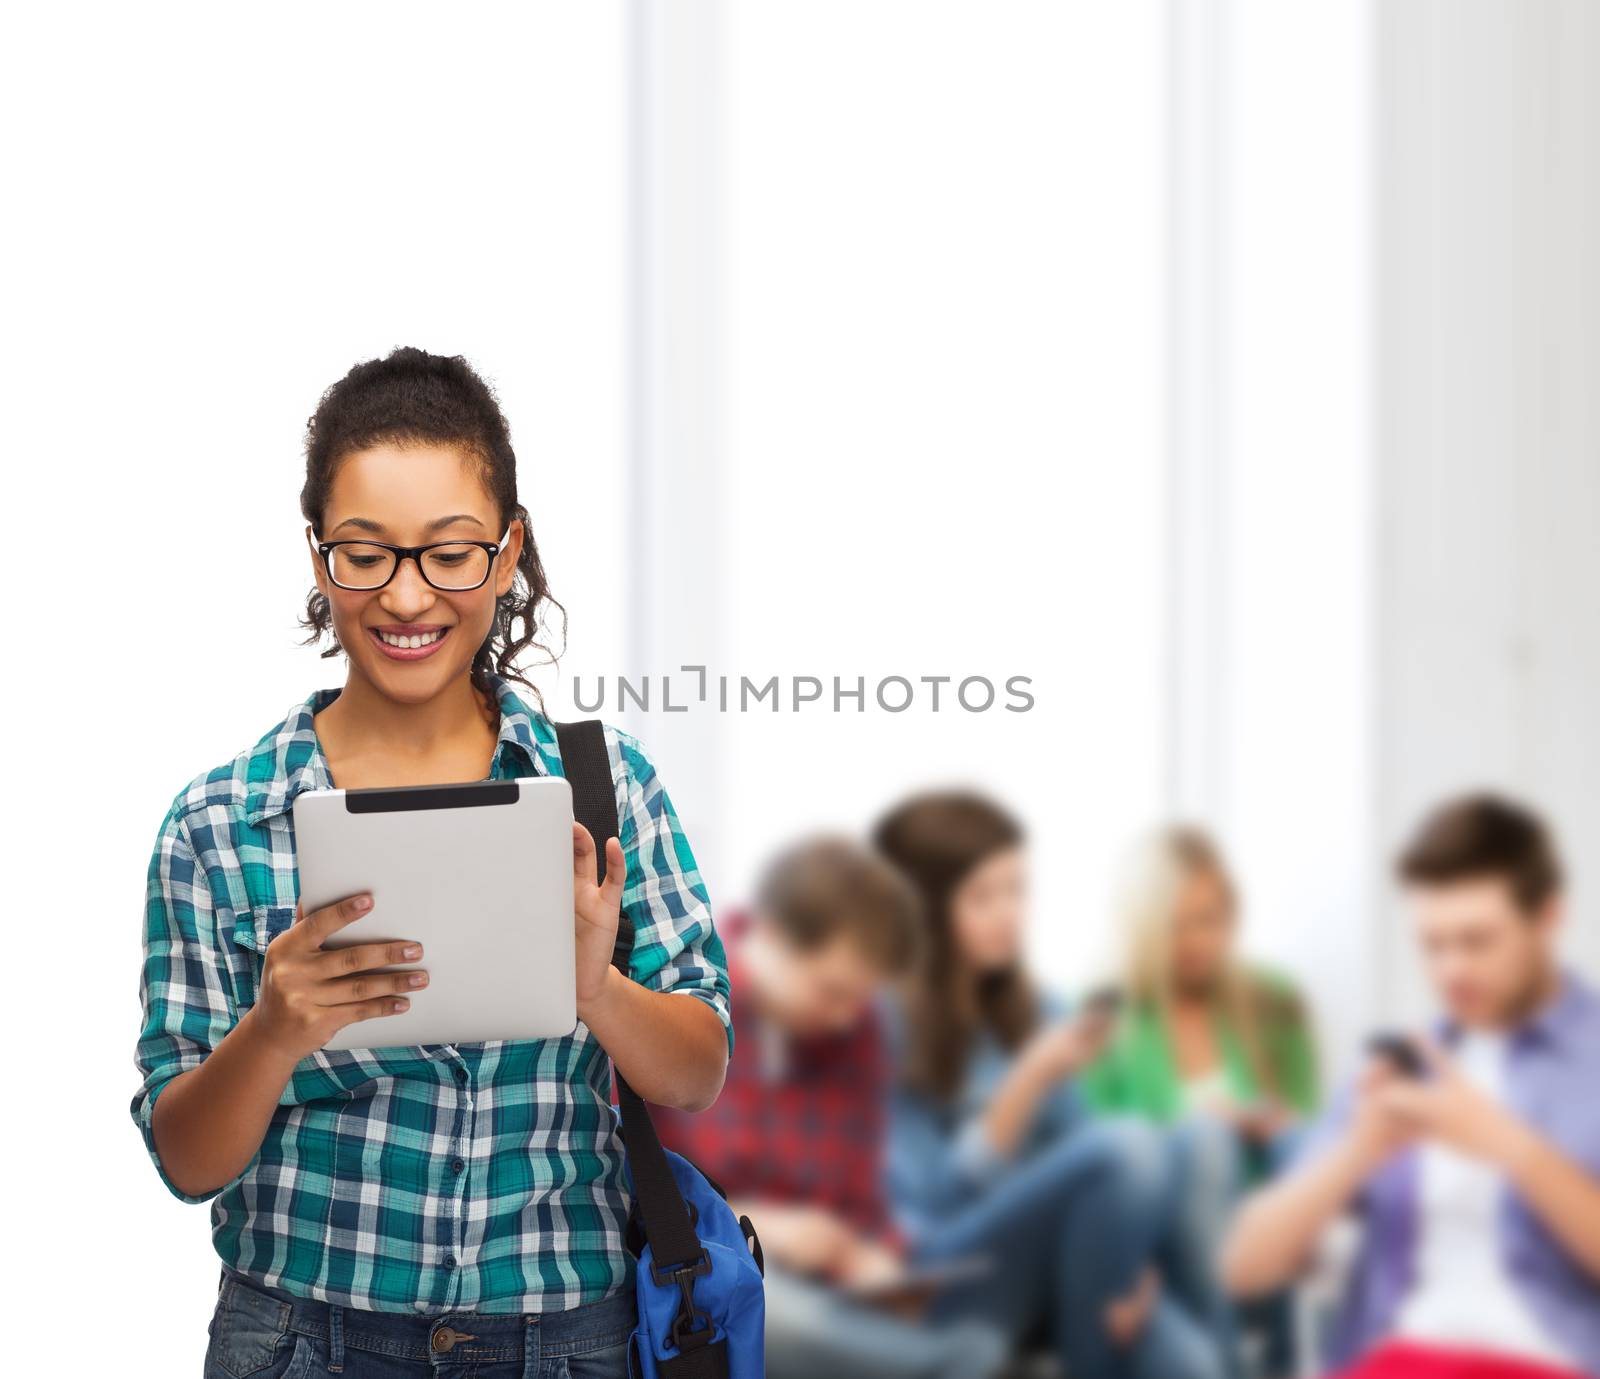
{"x": 449, "y": 1261}
{"x": 456, "y": 1165}
{"x": 461, "y": 1074}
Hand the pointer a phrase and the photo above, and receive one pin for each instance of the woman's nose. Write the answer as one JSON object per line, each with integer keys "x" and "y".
{"x": 408, "y": 590}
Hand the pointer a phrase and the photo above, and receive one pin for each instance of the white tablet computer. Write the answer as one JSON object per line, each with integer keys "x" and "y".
{"x": 480, "y": 874}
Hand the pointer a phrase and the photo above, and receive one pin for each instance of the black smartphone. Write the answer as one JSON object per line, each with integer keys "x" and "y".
{"x": 1400, "y": 1053}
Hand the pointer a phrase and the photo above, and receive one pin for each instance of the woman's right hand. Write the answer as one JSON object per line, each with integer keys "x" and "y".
{"x": 308, "y": 992}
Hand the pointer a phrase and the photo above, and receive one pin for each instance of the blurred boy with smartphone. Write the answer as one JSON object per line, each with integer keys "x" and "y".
{"x": 1471, "y": 1154}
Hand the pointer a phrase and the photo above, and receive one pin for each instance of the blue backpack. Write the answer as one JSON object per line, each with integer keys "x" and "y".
{"x": 702, "y": 1308}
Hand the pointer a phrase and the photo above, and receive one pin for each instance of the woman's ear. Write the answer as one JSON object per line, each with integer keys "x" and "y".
{"x": 317, "y": 569}
{"x": 506, "y": 565}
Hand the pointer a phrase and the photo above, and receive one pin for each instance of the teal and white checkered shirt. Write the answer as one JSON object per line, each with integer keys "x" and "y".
{"x": 484, "y": 1176}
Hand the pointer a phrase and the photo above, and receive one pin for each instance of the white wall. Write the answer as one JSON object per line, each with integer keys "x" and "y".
{"x": 912, "y": 423}
{"x": 1386, "y": 451}
{"x": 1488, "y": 358}
{"x": 944, "y": 417}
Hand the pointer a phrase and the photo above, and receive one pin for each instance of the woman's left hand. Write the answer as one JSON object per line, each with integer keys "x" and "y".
{"x": 596, "y": 907}
{"x": 672, "y": 1052}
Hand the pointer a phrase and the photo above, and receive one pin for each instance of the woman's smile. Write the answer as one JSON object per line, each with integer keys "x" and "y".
{"x": 409, "y": 641}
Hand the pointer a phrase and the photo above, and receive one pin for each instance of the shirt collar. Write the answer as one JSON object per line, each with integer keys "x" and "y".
{"x": 1564, "y": 1014}
{"x": 289, "y": 758}
{"x": 1561, "y": 1016}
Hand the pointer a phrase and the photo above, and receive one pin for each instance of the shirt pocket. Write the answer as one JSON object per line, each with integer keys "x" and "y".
{"x": 253, "y": 929}
{"x": 260, "y": 924}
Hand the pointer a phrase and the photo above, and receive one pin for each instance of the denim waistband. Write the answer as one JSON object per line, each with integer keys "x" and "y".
{"x": 459, "y": 1336}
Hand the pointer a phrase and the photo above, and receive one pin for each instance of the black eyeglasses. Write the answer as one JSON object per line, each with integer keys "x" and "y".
{"x": 451, "y": 566}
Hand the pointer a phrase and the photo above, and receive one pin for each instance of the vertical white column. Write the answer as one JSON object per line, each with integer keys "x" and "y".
{"x": 1270, "y": 608}
{"x": 1197, "y": 614}
{"x": 673, "y": 539}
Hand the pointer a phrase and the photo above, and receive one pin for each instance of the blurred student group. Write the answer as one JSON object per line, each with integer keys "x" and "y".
{"x": 957, "y": 1172}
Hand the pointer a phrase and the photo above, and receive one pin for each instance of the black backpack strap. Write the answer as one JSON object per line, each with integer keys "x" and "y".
{"x": 668, "y": 1227}
{"x": 587, "y": 765}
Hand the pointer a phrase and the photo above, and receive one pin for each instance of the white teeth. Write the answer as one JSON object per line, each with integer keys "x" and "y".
{"x": 422, "y": 640}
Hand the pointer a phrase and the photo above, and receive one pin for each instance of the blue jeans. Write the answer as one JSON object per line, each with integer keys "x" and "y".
{"x": 1217, "y": 1169}
{"x": 1208, "y": 1165}
{"x": 1069, "y": 1231}
{"x": 262, "y": 1333}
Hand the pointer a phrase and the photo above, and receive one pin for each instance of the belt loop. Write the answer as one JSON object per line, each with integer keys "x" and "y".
{"x": 335, "y": 1338}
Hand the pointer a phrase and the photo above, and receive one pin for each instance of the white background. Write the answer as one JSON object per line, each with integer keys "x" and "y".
{"x": 214, "y": 212}
{"x": 1107, "y": 345}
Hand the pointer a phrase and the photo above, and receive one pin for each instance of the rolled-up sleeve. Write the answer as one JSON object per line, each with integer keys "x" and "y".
{"x": 1309, "y": 1141}
{"x": 184, "y": 988}
{"x": 676, "y": 947}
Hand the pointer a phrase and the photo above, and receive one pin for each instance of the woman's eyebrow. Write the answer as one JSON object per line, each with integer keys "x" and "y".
{"x": 367, "y": 524}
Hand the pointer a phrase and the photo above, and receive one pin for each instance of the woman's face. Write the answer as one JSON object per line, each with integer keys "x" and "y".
{"x": 986, "y": 912}
{"x": 407, "y": 496}
{"x": 1202, "y": 932}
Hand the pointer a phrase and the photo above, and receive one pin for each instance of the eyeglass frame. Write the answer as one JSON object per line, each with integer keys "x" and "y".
{"x": 415, "y": 553}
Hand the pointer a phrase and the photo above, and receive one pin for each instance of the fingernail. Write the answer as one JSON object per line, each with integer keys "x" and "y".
{"x": 401, "y": 1003}
{"x": 417, "y": 978}
{"x": 411, "y": 951}
{"x": 362, "y": 902}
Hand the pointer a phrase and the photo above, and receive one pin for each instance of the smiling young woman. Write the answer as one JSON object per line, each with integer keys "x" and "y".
{"x": 406, "y": 1210}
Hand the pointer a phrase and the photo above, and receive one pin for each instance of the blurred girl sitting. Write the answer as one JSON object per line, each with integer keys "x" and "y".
{"x": 991, "y": 1152}
{"x": 1205, "y": 1037}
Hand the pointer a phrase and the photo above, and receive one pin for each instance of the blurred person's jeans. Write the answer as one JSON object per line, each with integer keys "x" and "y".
{"x": 1070, "y": 1230}
{"x": 815, "y": 1332}
{"x": 1213, "y": 1177}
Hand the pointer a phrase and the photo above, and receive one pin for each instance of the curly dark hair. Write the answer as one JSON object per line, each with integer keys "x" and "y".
{"x": 407, "y": 396}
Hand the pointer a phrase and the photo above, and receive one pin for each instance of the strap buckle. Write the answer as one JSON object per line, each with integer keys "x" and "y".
{"x": 682, "y": 1274}
{"x": 692, "y": 1327}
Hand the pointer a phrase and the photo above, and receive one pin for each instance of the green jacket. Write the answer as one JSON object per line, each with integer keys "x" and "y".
{"x": 1137, "y": 1073}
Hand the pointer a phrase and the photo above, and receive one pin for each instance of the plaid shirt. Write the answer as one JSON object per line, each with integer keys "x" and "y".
{"x": 477, "y": 1176}
{"x": 798, "y": 1121}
